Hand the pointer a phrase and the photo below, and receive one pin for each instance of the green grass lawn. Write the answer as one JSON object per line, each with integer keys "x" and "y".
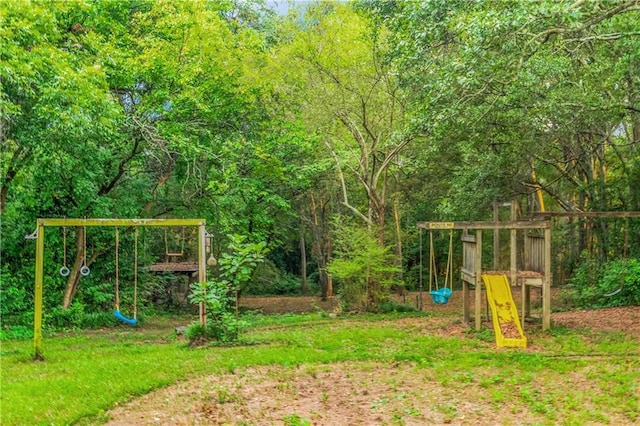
{"x": 87, "y": 373}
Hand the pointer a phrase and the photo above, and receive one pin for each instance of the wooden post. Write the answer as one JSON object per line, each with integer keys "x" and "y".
{"x": 513, "y": 261}
{"x": 37, "y": 312}
{"x": 202, "y": 267}
{"x": 546, "y": 284}
{"x": 496, "y": 237}
{"x": 466, "y": 317}
{"x": 478, "y": 276}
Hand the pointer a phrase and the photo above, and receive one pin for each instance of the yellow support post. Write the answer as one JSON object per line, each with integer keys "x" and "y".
{"x": 37, "y": 312}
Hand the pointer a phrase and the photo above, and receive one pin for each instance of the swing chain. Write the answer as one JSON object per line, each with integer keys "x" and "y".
{"x": 84, "y": 271}
{"x": 64, "y": 271}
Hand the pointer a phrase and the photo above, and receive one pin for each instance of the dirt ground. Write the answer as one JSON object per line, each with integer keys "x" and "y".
{"x": 625, "y": 320}
{"x": 356, "y": 393}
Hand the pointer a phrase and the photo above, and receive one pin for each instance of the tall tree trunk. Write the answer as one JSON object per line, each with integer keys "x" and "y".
{"x": 73, "y": 280}
{"x": 322, "y": 250}
{"x": 303, "y": 262}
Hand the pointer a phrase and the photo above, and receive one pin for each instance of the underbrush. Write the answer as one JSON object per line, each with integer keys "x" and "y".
{"x": 615, "y": 283}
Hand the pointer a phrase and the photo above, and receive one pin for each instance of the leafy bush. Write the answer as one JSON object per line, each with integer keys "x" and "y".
{"x": 598, "y": 287}
{"x": 238, "y": 263}
{"x": 223, "y": 325}
{"x": 18, "y": 332}
{"x": 362, "y": 268}
{"x": 98, "y": 319}
{"x": 58, "y": 318}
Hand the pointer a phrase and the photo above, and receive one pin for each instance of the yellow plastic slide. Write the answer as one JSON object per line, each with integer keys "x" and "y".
{"x": 506, "y": 322}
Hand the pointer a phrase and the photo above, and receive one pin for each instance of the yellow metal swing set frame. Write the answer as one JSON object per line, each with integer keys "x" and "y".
{"x": 39, "y": 235}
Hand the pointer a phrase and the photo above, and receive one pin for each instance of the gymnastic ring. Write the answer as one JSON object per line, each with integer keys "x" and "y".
{"x": 64, "y": 271}
{"x": 84, "y": 271}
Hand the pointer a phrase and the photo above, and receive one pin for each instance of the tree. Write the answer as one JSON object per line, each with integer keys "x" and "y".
{"x": 331, "y": 70}
{"x": 116, "y": 109}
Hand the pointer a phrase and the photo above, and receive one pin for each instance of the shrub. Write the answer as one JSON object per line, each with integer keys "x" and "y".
{"x": 223, "y": 324}
{"x": 598, "y": 287}
{"x": 362, "y": 268}
{"x": 19, "y": 332}
{"x": 269, "y": 280}
{"x": 58, "y": 318}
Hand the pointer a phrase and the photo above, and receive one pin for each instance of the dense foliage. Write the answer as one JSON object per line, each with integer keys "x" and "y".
{"x": 374, "y": 113}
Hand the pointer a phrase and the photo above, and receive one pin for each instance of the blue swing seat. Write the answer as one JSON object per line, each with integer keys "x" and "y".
{"x": 130, "y": 321}
{"x": 441, "y": 296}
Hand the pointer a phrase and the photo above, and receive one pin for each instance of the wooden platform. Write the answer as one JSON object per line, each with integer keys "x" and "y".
{"x": 527, "y": 277}
{"x": 174, "y": 267}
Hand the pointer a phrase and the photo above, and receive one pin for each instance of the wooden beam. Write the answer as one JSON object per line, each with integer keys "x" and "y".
{"x": 202, "y": 267}
{"x": 548, "y": 215}
{"x": 513, "y": 248}
{"x": 478, "y": 301}
{"x": 121, "y": 222}
{"x": 510, "y": 224}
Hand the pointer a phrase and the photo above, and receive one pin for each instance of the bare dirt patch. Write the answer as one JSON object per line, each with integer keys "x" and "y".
{"x": 351, "y": 393}
{"x": 624, "y": 320}
{"x": 364, "y": 393}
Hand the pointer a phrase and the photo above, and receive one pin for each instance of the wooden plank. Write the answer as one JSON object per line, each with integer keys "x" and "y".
{"x": 465, "y": 302}
{"x": 174, "y": 267}
{"x": 587, "y": 214}
{"x": 496, "y": 237}
{"x": 507, "y": 224}
{"x": 202, "y": 268}
{"x": 440, "y": 225}
{"x": 546, "y": 287}
{"x": 121, "y": 222}
{"x": 468, "y": 238}
{"x": 478, "y": 265}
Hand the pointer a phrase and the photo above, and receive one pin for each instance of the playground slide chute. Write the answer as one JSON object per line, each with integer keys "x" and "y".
{"x": 506, "y": 322}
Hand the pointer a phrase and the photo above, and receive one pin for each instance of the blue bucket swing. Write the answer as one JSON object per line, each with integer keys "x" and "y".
{"x": 116, "y": 312}
{"x": 442, "y": 294}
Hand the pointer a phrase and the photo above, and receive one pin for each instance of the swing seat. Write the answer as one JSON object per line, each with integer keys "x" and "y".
{"x": 130, "y": 321}
{"x": 441, "y": 296}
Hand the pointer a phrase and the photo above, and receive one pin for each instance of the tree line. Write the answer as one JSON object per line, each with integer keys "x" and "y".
{"x": 325, "y": 133}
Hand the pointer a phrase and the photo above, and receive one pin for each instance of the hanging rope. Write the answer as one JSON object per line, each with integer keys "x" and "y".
{"x": 166, "y": 245}
{"x": 420, "y": 277}
{"x": 449, "y": 276}
{"x": 433, "y": 272}
{"x": 116, "y": 312}
{"x": 440, "y": 295}
{"x": 84, "y": 271}
{"x": 117, "y": 271}
{"x": 135, "y": 275}
{"x": 64, "y": 271}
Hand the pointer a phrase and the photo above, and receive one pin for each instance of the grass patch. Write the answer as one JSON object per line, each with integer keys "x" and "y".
{"x": 87, "y": 373}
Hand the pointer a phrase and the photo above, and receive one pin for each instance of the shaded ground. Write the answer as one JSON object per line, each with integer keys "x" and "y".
{"x": 360, "y": 393}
